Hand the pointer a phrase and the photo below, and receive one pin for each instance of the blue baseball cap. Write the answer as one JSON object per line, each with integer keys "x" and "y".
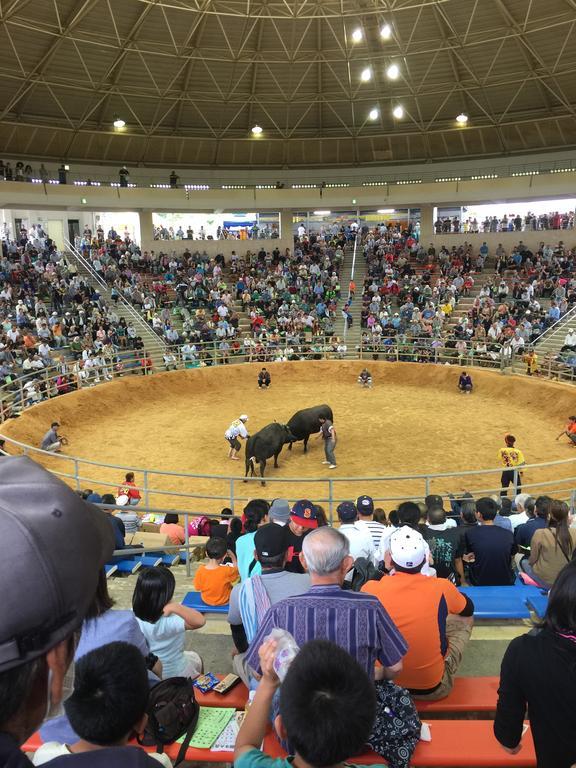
{"x": 347, "y": 511}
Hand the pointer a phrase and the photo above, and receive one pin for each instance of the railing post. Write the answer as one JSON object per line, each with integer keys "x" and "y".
{"x": 232, "y": 494}
{"x": 427, "y": 486}
{"x": 146, "y": 489}
{"x": 331, "y": 500}
{"x": 76, "y": 474}
{"x": 187, "y": 543}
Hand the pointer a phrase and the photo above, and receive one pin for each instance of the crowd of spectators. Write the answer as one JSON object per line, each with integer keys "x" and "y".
{"x": 513, "y": 222}
{"x": 252, "y": 232}
{"x": 411, "y": 295}
{"x": 52, "y": 319}
{"x": 385, "y": 626}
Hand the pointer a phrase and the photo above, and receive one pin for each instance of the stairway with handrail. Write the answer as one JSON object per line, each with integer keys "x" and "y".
{"x": 153, "y": 344}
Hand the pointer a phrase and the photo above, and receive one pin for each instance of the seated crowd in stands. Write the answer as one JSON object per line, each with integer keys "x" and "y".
{"x": 292, "y": 303}
{"x": 385, "y": 626}
{"x": 411, "y": 296}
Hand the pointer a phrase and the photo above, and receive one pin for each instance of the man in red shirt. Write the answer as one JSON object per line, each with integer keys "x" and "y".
{"x": 432, "y": 615}
{"x": 570, "y": 430}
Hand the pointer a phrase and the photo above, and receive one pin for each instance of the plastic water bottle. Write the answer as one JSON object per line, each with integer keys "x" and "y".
{"x": 286, "y": 651}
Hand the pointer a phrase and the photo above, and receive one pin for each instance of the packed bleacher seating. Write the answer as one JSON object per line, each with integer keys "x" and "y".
{"x": 399, "y": 575}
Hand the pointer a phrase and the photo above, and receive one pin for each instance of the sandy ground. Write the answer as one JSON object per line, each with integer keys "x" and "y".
{"x": 413, "y": 421}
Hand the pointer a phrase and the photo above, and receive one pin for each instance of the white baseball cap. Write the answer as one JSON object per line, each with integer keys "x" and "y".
{"x": 407, "y": 547}
{"x": 243, "y": 417}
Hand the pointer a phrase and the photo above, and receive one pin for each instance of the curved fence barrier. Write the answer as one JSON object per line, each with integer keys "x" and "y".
{"x": 180, "y": 491}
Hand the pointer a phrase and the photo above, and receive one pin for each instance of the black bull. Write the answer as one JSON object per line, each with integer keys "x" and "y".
{"x": 264, "y": 444}
{"x": 306, "y": 422}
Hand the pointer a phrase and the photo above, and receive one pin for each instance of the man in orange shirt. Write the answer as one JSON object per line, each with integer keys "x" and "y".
{"x": 431, "y": 614}
{"x": 570, "y": 430}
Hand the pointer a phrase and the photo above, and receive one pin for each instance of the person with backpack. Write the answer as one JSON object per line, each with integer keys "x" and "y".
{"x": 106, "y": 709}
{"x": 164, "y": 622}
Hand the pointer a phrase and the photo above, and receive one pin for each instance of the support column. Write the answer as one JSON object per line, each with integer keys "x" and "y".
{"x": 146, "y": 227}
{"x": 286, "y": 236}
{"x": 426, "y": 222}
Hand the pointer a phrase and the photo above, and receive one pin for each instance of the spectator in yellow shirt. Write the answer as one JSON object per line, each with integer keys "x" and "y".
{"x": 510, "y": 458}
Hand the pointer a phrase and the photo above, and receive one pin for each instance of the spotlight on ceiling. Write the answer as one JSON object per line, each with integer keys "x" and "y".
{"x": 386, "y": 32}
{"x": 366, "y": 75}
{"x": 357, "y": 35}
{"x": 374, "y": 114}
{"x": 257, "y": 130}
{"x": 398, "y": 112}
{"x": 462, "y": 118}
{"x": 393, "y": 72}
{"x": 119, "y": 123}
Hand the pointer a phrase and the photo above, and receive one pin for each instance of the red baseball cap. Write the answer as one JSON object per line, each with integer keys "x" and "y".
{"x": 304, "y": 513}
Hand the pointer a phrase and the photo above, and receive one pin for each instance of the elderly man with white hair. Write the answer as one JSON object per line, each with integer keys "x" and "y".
{"x": 357, "y": 622}
{"x": 521, "y": 501}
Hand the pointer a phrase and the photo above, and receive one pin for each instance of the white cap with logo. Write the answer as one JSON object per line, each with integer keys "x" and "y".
{"x": 407, "y": 547}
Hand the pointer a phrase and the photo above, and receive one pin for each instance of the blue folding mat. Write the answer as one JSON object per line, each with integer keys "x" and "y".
{"x": 194, "y": 600}
{"x": 501, "y": 602}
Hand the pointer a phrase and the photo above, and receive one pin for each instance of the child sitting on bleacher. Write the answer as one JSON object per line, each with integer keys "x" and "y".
{"x": 107, "y": 709}
{"x": 214, "y": 580}
{"x": 327, "y": 709}
{"x": 164, "y": 623}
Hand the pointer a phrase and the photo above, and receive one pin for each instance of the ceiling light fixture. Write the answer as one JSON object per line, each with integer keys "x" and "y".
{"x": 119, "y": 123}
{"x": 374, "y": 114}
{"x": 398, "y": 112}
{"x": 385, "y": 210}
{"x": 386, "y": 32}
{"x": 462, "y": 118}
{"x": 357, "y": 35}
{"x": 366, "y": 75}
{"x": 257, "y": 130}
{"x": 322, "y": 213}
{"x": 393, "y": 72}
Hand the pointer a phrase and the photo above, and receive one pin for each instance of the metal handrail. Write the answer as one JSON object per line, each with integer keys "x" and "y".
{"x": 554, "y": 327}
{"x": 126, "y": 304}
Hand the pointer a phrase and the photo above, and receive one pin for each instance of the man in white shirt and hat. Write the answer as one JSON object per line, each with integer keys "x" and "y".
{"x": 236, "y": 431}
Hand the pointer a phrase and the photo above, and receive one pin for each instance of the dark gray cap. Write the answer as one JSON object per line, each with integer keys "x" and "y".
{"x": 54, "y": 546}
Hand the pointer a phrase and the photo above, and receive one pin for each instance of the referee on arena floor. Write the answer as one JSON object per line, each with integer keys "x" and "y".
{"x": 235, "y": 431}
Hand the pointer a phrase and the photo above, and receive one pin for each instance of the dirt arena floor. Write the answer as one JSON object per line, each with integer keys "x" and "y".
{"x": 413, "y": 421}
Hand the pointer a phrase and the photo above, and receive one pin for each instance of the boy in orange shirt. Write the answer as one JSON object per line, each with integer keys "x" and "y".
{"x": 214, "y": 581}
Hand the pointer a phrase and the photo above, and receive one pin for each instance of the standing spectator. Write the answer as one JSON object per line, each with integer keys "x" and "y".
{"x": 538, "y": 679}
{"x": 490, "y": 548}
{"x": 433, "y": 617}
{"x": 52, "y": 565}
{"x": 63, "y": 174}
{"x": 328, "y": 434}
{"x": 123, "y": 174}
{"x": 174, "y": 180}
{"x": 511, "y": 459}
{"x": 551, "y": 547}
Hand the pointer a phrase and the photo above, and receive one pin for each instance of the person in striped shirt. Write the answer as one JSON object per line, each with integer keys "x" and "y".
{"x": 378, "y": 531}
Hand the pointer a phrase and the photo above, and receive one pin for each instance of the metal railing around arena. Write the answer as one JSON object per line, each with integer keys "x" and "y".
{"x": 179, "y": 491}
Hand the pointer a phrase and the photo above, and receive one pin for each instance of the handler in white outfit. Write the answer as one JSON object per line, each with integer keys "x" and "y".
{"x": 235, "y": 431}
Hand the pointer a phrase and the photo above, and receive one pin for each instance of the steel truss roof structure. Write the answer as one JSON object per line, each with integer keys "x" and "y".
{"x": 191, "y": 78}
